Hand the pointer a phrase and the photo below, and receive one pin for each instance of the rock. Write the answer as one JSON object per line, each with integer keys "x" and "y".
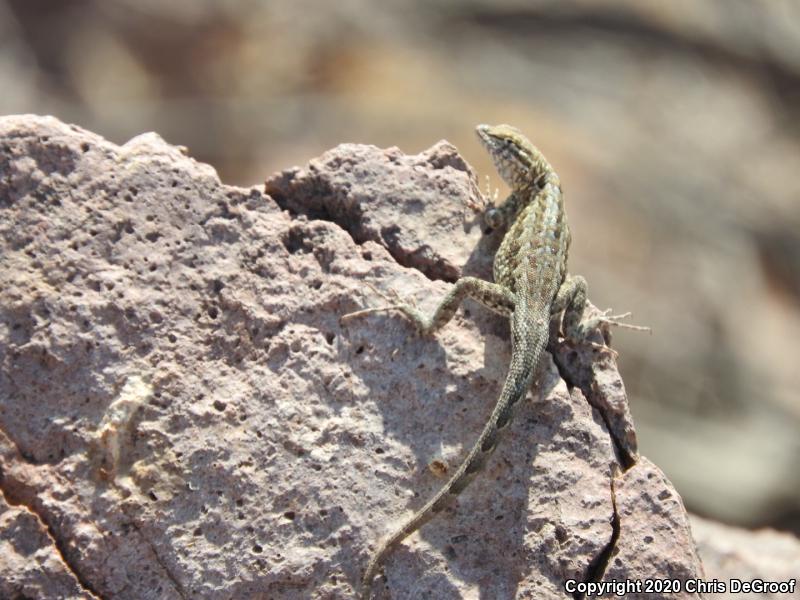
{"x": 182, "y": 414}
{"x": 654, "y": 536}
{"x": 730, "y": 553}
{"x": 31, "y": 565}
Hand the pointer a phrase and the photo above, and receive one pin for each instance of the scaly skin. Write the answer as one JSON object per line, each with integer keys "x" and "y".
{"x": 531, "y": 287}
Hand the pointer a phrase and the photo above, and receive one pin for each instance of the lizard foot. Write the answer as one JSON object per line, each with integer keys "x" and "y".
{"x": 488, "y": 200}
{"x": 394, "y": 300}
{"x": 490, "y": 196}
{"x": 603, "y": 322}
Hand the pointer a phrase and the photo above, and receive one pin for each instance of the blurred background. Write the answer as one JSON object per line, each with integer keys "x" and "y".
{"x": 675, "y": 127}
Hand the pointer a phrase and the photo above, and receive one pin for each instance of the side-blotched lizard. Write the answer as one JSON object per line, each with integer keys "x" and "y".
{"x": 531, "y": 287}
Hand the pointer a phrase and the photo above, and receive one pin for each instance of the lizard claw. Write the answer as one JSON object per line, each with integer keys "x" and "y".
{"x": 391, "y": 296}
{"x": 492, "y": 196}
{"x": 603, "y": 348}
{"x": 487, "y": 200}
{"x": 606, "y": 320}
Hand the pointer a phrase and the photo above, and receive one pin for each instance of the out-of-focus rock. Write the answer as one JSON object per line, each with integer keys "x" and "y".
{"x": 730, "y": 553}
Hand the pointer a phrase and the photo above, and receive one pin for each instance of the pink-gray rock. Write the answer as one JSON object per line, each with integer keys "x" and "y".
{"x": 182, "y": 414}
{"x": 32, "y": 566}
{"x": 730, "y": 553}
{"x": 654, "y": 536}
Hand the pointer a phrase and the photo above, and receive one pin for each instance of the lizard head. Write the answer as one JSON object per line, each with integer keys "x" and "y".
{"x": 515, "y": 158}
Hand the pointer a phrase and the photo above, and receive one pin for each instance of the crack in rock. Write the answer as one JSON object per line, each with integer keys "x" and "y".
{"x": 170, "y": 575}
{"x": 377, "y": 195}
{"x": 599, "y": 564}
{"x": 13, "y": 498}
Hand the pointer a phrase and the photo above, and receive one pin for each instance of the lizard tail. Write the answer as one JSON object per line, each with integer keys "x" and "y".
{"x": 528, "y": 344}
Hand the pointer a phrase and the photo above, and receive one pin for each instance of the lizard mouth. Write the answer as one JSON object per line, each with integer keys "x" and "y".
{"x": 483, "y": 134}
{"x": 493, "y": 144}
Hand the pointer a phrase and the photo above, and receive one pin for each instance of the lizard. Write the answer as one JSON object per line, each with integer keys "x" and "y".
{"x": 531, "y": 288}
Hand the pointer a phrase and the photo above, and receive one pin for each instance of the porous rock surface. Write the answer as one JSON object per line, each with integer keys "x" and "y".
{"x": 183, "y": 415}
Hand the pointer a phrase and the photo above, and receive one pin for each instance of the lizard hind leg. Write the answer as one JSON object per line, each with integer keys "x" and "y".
{"x": 571, "y": 300}
{"x": 493, "y": 296}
